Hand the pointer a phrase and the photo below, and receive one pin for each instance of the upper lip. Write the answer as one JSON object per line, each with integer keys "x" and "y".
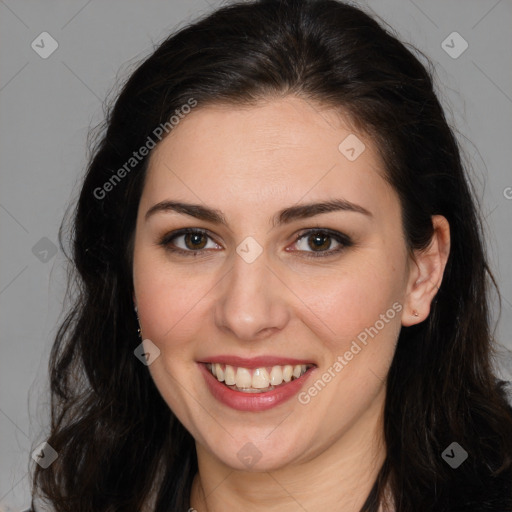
{"x": 255, "y": 362}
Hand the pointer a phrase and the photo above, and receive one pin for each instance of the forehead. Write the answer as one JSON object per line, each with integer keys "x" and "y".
{"x": 285, "y": 148}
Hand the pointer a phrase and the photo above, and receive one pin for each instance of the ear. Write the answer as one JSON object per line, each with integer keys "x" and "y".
{"x": 426, "y": 273}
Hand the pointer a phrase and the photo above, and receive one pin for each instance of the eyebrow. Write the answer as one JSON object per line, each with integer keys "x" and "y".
{"x": 285, "y": 216}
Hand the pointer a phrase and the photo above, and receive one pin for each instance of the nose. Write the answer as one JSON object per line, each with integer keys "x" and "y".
{"x": 252, "y": 302}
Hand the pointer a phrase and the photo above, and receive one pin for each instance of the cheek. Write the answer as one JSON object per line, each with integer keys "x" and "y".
{"x": 166, "y": 300}
{"x": 345, "y": 303}
{"x": 360, "y": 320}
{"x": 168, "y": 305}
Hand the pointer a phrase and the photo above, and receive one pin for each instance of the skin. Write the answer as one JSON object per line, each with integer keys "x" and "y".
{"x": 250, "y": 163}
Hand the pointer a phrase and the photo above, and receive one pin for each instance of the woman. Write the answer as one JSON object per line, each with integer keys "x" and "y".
{"x": 282, "y": 285}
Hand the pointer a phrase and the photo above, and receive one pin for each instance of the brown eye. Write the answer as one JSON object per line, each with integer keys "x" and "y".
{"x": 194, "y": 241}
{"x": 188, "y": 242}
{"x": 319, "y": 242}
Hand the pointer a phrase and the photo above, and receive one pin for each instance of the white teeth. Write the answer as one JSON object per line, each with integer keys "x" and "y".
{"x": 219, "y": 372}
{"x": 287, "y": 373}
{"x": 276, "y": 376}
{"x": 229, "y": 375}
{"x": 243, "y": 378}
{"x": 257, "y": 379}
{"x": 260, "y": 378}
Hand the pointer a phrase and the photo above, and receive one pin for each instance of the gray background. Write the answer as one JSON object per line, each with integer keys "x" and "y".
{"x": 48, "y": 105}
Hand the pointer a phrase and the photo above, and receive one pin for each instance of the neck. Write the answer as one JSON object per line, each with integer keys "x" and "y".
{"x": 338, "y": 478}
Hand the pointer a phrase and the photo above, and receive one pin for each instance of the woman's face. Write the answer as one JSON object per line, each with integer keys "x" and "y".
{"x": 253, "y": 289}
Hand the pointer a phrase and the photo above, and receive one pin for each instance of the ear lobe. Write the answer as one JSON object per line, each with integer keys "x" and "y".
{"x": 427, "y": 273}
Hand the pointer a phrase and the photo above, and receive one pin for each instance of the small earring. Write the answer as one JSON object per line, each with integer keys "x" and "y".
{"x": 415, "y": 313}
{"x": 138, "y": 323}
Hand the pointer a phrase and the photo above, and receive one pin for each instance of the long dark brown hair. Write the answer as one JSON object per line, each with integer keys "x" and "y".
{"x": 118, "y": 442}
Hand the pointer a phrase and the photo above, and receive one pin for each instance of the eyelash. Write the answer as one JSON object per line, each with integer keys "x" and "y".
{"x": 341, "y": 238}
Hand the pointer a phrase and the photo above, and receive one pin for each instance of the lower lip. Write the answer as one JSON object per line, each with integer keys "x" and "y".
{"x": 252, "y": 401}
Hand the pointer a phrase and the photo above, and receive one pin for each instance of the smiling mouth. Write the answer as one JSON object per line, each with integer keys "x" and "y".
{"x": 256, "y": 380}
